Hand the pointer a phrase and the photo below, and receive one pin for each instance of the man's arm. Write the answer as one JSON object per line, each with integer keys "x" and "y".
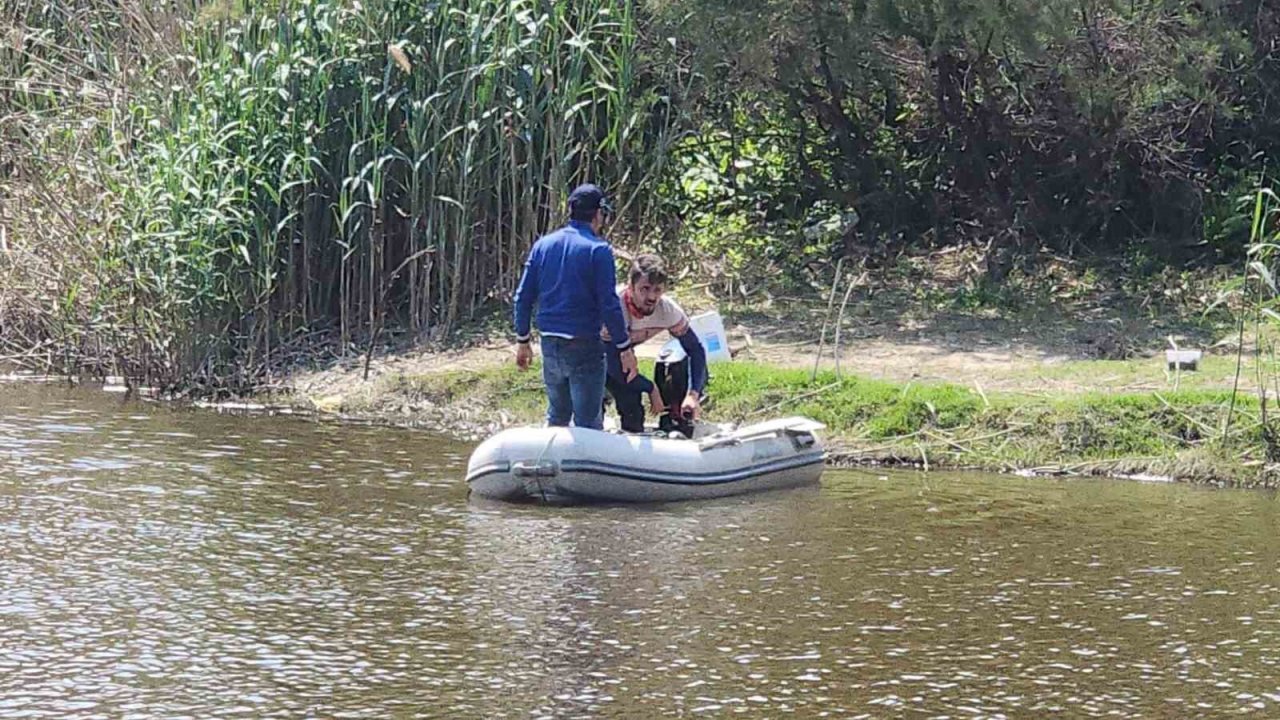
{"x": 639, "y": 383}
{"x": 697, "y": 358}
{"x": 526, "y": 295}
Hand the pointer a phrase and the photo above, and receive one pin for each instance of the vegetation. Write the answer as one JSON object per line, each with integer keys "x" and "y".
{"x": 1199, "y": 427}
{"x": 868, "y": 128}
{"x": 1261, "y": 301}
{"x": 322, "y": 165}
{"x": 194, "y": 193}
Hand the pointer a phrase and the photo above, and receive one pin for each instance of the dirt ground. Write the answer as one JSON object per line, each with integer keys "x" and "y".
{"x": 1088, "y": 346}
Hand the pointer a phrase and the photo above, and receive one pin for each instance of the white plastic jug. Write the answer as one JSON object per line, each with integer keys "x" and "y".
{"x": 710, "y": 329}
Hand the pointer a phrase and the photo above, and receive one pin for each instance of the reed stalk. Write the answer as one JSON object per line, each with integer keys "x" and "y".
{"x": 322, "y": 166}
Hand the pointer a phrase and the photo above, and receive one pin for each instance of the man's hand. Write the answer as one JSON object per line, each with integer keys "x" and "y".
{"x": 655, "y": 402}
{"x": 691, "y": 408}
{"x": 524, "y": 356}
{"x": 628, "y": 359}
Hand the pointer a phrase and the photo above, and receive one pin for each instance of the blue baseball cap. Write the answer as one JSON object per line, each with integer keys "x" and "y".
{"x": 586, "y": 199}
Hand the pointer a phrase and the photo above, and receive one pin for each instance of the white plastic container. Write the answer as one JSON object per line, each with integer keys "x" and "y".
{"x": 1182, "y": 359}
{"x": 710, "y": 329}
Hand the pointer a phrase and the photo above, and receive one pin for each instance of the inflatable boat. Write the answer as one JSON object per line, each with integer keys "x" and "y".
{"x": 574, "y": 465}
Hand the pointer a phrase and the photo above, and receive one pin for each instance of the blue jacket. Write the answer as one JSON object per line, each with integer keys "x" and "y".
{"x": 570, "y": 276}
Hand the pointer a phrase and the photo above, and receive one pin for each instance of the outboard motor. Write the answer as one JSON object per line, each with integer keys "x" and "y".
{"x": 671, "y": 375}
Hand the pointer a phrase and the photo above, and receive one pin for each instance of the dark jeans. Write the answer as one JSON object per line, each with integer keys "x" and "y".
{"x": 630, "y": 404}
{"x": 574, "y": 371}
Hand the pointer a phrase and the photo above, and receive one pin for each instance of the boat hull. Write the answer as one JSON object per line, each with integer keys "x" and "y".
{"x": 571, "y": 465}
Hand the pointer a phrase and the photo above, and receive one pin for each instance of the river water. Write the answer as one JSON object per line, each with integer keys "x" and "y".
{"x": 159, "y": 562}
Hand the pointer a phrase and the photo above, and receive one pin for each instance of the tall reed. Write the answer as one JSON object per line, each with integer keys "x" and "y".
{"x": 321, "y": 166}
{"x": 67, "y": 75}
{"x": 1260, "y": 315}
{"x": 346, "y": 162}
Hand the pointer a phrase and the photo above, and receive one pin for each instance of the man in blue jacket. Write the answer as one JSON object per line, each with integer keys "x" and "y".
{"x": 570, "y": 276}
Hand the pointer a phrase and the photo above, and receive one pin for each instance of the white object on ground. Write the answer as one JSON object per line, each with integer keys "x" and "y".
{"x": 1182, "y": 359}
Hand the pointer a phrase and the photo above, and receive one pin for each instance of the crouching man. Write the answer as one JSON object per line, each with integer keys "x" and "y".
{"x": 648, "y": 312}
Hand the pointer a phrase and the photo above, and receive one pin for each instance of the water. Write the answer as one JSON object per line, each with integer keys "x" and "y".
{"x": 158, "y": 562}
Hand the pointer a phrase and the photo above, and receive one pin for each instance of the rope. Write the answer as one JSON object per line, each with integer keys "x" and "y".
{"x": 537, "y": 466}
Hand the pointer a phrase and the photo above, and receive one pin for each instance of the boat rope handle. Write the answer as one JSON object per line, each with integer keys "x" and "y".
{"x": 537, "y": 476}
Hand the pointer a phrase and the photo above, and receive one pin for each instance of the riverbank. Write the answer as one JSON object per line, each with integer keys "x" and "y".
{"x": 1056, "y": 376}
{"x": 1123, "y": 418}
{"x": 1073, "y": 383}
{"x": 1175, "y": 434}
{"x": 977, "y": 396}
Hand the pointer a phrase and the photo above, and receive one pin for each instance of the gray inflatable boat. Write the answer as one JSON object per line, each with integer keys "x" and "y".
{"x": 574, "y": 465}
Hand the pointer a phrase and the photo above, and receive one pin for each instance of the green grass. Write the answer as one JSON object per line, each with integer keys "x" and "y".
{"x": 1073, "y": 426}
{"x": 1145, "y": 374}
{"x": 878, "y": 409}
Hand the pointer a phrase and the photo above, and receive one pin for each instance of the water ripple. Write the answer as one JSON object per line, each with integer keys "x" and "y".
{"x": 159, "y": 562}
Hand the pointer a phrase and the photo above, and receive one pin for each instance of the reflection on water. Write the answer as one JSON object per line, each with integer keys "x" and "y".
{"x": 158, "y": 562}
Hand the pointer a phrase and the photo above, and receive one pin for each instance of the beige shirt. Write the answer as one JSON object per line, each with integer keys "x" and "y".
{"x": 667, "y": 315}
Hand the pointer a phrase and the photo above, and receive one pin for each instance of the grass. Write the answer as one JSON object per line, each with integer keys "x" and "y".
{"x": 1214, "y": 372}
{"x": 1173, "y": 433}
